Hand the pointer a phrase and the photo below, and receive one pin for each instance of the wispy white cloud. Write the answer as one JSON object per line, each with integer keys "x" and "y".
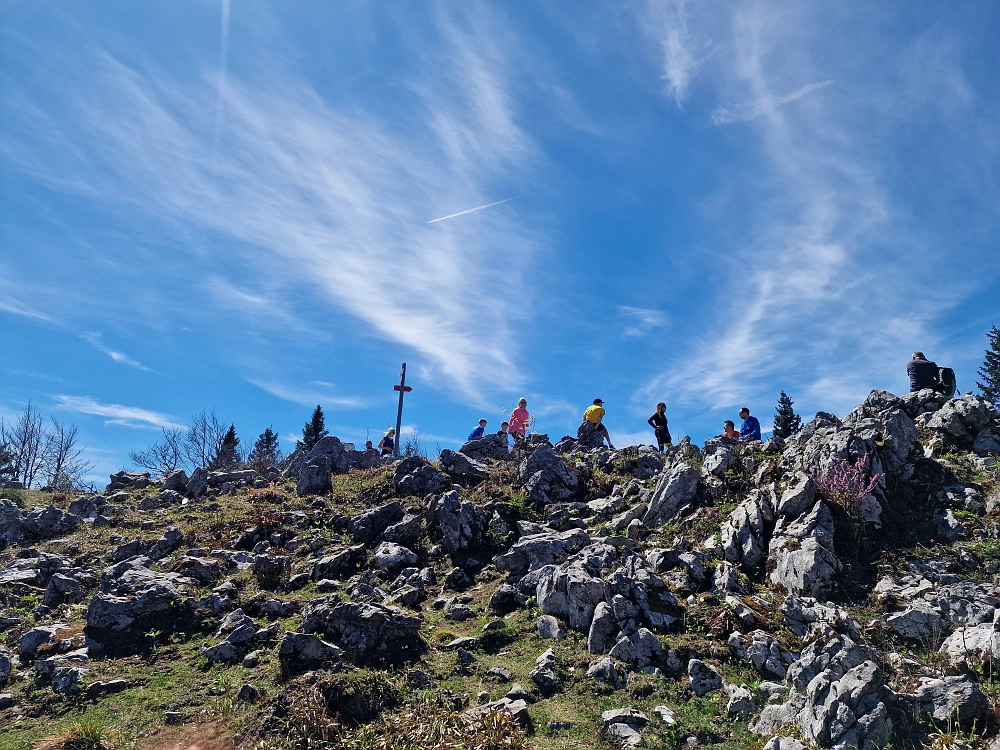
{"x": 641, "y": 321}
{"x": 94, "y": 339}
{"x": 728, "y": 114}
{"x": 666, "y": 21}
{"x": 310, "y": 395}
{"x": 127, "y": 416}
{"x": 815, "y": 287}
{"x": 326, "y": 202}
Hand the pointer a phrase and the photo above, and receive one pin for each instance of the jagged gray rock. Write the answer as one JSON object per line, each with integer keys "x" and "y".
{"x": 49, "y": 522}
{"x": 314, "y": 476}
{"x": 363, "y": 630}
{"x": 460, "y": 524}
{"x": 368, "y": 526}
{"x": 801, "y": 553}
{"x": 462, "y": 468}
{"x": 677, "y": 489}
{"x": 704, "y": 678}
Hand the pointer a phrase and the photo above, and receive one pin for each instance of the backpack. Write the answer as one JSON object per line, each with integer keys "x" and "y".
{"x": 948, "y": 384}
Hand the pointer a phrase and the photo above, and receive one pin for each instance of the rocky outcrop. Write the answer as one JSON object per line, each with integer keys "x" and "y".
{"x": 365, "y": 631}
{"x": 547, "y": 478}
{"x": 677, "y": 489}
{"x": 458, "y": 524}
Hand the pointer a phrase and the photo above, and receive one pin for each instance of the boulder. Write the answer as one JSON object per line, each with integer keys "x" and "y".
{"x": 961, "y": 419}
{"x": 305, "y": 647}
{"x": 571, "y": 594}
{"x": 947, "y": 699}
{"x": 769, "y": 656}
{"x": 49, "y": 522}
{"x": 638, "y": 649}
{"x": 131, "y": 593}
{"x": 176, "y": 480}
{"x": 368, "y": 526}
{"x": 314, "y": 477}
{"x": 971, "y": 647}
{"x": 625, "y": 725}
{"x": 461, "y": 468}
{"x": 339, "y": 564}
{"x": 798, "y": 496}
{"x": 801, "y": 558}
{"x": 677, "y": 489}
{"x": 129, "y": 480}
{"x": 11, "y": 522}
{"x": 404, "y": 532}
{"x": 544, "y": 674}
{"x": 364, "y": 631}
{"x": 393, "y": 557}
{"x": 605, "y": 670}
{"x": 604, "y": 629}
{"x": 704, "y": 678}
{"x": 809, "y": 620}
{"x": 459, "y": 524}
{"x": 487, "y": 447}
{"x": 198, "y": 482}
{"x": 549, "y": 627}
{"x": 532, "y": 552}
{"x": 547, "y": 478}
{"x": 414, "y": 476}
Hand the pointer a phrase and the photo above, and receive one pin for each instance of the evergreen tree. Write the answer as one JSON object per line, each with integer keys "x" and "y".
{"x": 7, "y": 468}
{"x": 314, "y": 430}
{"x": 786, "y": 421}
{"x": 227, "y": 454}
{"x": 266, "y": 453}
{"x": 990, "y": 371}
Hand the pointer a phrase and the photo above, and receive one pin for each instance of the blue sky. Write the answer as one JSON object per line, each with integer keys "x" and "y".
{"x": 208, "y": 205}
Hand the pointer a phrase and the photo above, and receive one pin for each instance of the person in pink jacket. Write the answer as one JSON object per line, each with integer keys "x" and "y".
{"x": 519, "y": 419}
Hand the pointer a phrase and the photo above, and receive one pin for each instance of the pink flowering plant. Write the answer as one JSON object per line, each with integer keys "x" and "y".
{"x": 847, "y": 484}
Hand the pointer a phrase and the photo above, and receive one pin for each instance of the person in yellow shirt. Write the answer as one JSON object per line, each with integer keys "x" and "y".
{"x": 595, "y": 415}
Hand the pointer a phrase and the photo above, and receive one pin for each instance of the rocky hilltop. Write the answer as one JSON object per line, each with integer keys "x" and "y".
{"x": 838, "y": 589}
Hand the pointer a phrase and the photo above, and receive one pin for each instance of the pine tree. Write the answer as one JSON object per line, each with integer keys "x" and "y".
{"x": 786, "y": 421}
{"x": 227, "y": 454}
{"x": 266, "y": 453}
{"x": 314, "y": 431}
{"x": 7, "y": 468}
{"x": 990, "y": 371}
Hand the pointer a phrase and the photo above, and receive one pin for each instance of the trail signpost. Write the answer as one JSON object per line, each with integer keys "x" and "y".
{"x": 402, "y": 388}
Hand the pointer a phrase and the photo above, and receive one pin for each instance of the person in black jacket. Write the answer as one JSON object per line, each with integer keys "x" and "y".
{"x": 659, "y": 424}
{"x": 923, "y": 373}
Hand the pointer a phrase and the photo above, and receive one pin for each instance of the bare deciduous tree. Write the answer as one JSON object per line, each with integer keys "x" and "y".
{"x": 164, "y": 455}
{"x": 26, "y": 441}
{"x": 63, "y": 462}
{"x": 204, "y": 438}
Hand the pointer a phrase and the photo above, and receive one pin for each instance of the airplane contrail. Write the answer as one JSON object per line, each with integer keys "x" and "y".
{"x": 470, "y": 210}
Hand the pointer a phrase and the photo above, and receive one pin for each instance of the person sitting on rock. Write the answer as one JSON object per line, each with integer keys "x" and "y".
{"x": 503, "y": 428}
{"x": 659, "y": 424}
{"x": 751, "y": 427}
{"x": 729, "y": 430}
{"x": 479, "y": 431}
{"x": 387, "y": 445}
{"x": 595, "y": 416}
{"x": 369, "y": 446}
{"x": 922, "y": 372}
{"x": 519, "y": 419}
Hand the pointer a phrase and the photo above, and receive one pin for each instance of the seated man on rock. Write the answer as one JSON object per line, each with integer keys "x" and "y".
{"x": 750, "y": 430}
{"x": 922, "y": 373}
{"x": 592, "y": 432}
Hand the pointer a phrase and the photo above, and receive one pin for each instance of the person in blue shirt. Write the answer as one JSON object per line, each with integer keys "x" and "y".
{"x": 478, "y": 432}
{"x": 751, "y": 427}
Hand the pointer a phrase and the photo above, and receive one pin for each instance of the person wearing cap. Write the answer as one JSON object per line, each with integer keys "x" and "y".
{"x": 478, "y": 432}
{"x": 922, "y": 373}
{"x": 595, "y": 415}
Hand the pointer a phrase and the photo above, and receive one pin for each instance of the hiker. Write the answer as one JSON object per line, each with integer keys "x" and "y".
{"x": 519, "y": 419}
{"x": 595, "y": 415}
{"x": 478, "y": 432}
{"x": 923, "y": 373}
{"x": 729, "y": 430}
{"x": 659, "y": 424}
{"x": 503, "y": 428}
{"x": 751, "y": 427}
{"x": 369, "y": 446}
{"x": 387, "y": 445}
